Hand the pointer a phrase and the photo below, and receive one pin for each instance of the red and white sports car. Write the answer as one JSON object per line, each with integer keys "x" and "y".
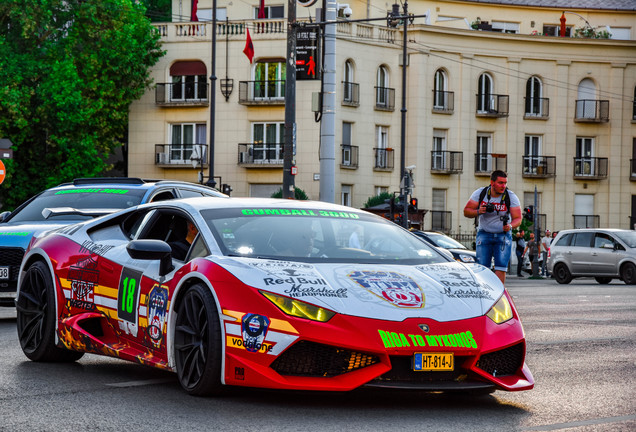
{"x": 269, "y": 293}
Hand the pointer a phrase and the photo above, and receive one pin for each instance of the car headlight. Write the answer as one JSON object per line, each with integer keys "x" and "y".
{"x": 466, "y": 258}
{"x": 501, "y": 311}
{"x": 299, "y": 308}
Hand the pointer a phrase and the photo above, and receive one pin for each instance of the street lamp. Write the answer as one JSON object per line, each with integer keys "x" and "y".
{"x": 211, "y": 182}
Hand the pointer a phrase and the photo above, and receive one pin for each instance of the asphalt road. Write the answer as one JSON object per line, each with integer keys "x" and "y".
{"x": 581, "y": 350}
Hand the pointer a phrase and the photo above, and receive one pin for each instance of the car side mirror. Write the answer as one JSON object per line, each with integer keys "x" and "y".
{"x": 152, "y": 250}
{"x": 4, "y": 215}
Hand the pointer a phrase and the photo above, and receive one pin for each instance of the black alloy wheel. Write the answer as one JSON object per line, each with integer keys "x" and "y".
{"x": 628, "y": 273}
{"x": 562, "y": 274}
{"x": 36, "y": 317}
{"x": 197, "y": 342}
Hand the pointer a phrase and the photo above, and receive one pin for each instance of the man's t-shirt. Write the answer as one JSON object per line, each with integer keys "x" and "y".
{"x": 491, "y": 222}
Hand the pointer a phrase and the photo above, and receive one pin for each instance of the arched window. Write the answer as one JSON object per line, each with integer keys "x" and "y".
{"x": 269, "y": 79}
{"x": 586, "y": 99}
{"x": 534, "y": 91}
{"x": 485, "y": 99}
{"x": 382, "y": 87}
{"x": 439, "y": 90}
{"x": 634, "y": 109}
{"x": 348, "y": 82}
{"x": 188, "y": 81}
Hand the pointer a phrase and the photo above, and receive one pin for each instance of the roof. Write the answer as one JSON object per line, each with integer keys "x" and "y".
{"x": 624, "y": 5}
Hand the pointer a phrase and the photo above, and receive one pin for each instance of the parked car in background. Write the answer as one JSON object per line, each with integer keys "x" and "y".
{"x": 72, "y": 202}
{"x": 460, "y": 252}
{"x": 601, "y": 253}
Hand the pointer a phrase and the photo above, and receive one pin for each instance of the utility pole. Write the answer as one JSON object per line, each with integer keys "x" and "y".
{"x": 290, "y": 103}
{"x": 211, "y": 182}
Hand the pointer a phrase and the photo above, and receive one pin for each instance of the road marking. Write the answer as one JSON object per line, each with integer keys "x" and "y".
{"x": 598, "y": 421}
{"x": 140, "y": 383}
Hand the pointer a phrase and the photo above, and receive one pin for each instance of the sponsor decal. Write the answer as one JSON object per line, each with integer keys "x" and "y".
{"x": 299, "y": 212}
{"x": 93, "y": 190}
{"x": 304, "y": 279}
{"x": 254, "y": 329}
{"x": 236, "y": 342}
{"x": 459, "y": 284}
{"x": 239, "y": 373}
{"x": 400, "y": 340}
{"x": 128, "y": 295}
{"x": 94, "y": 248}
{"x": 83, "y": 277}
{"x": 69, "y": 230}
{"x": 157, "y": 312}
{"x": 19, "y": 234}
{"x": 396, "y": 288}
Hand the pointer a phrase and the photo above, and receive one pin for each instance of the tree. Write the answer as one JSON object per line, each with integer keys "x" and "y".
{"x": 70, "y": 70}
{"x": 299, "y": 194}
{"x": 378, "y": 199}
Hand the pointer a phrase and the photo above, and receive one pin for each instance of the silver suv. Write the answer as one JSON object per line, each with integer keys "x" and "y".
{"x": 601, "y": 253}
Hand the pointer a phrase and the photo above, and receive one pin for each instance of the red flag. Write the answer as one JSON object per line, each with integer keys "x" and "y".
{"x": 193, "y": 14}
{"x": 562, "y": 28}
{"x": 249, "y": 46}
{"x": 261, "y": 10}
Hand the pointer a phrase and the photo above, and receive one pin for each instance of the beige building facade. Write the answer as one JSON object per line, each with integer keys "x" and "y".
{"x": 486, "y": 89}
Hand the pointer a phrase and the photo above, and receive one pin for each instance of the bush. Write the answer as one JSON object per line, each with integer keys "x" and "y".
{"x": 377, "y": 200}
{"x": 299, "y": 194}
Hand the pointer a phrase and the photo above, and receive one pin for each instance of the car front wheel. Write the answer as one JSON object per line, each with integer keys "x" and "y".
{"x": 197, "y": 343}
{"x": 628, "y": 273}
{"x": 562, "y": 274}
{"x": 36, "y": 317}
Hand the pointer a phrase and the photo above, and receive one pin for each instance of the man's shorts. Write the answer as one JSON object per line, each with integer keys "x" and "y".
{"x": 494, "y": 245}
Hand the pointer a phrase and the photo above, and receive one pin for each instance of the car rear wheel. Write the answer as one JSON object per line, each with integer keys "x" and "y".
{"x": 603, "y": 280}
{"x": 628, "y": 273}
{"x": 562, "y": 274}
{"x": 197, "y": 342}
{"x": 36, "y": 317}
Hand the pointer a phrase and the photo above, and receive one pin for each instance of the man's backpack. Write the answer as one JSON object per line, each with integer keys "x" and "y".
{"x": 486, "y": 191}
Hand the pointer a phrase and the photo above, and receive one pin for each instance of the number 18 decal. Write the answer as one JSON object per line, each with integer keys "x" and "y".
{"x": 128, "y": 295}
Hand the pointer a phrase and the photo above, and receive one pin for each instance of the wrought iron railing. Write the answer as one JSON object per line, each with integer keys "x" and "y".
{"x": 447, "y": 162}
{"x": 349, "y": 156}
{"x": 443, "y": 101}
{"x": 383, "y": 158}
{"x": 539, "y": 166}
{"x": 262, "y": 92}
{"x": 586, "y": 221}
{"x": 441, "y": 220}
{"x": 632, "y": 169}
{"x": 350, "y": 93}
{"x": 385, "y": 98}
{"x": 592, "y": 111}
{"x": 537, "y": 108}
{"x": 492, "y": 105}
{"x": 182, "y": 94}
{"x": 263, "y": 154}
{"x": 592, "y": 168}
{"x": 180, "y": 154}
{"x": 485, "y": 163}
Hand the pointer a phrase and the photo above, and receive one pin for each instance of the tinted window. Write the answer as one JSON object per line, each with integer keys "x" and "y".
{"x": 602, "y": 239}
{"x": 583, "y": 239}
{"x": 564, "y": 240}
{"x": 628, "y": 237}
{"x": 187, "y": 193}
{"x": 80, "y": 198}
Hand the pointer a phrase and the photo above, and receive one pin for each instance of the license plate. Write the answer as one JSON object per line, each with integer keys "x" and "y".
{"x": 4, "y": 272}
{"x": 433, "y": 362}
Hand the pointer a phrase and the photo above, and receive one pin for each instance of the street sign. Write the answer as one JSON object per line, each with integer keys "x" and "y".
{"x": 6, "y": 154}
{"x": 307, "y": 57}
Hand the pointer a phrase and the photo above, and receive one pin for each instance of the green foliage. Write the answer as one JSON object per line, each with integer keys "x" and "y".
{"x": 377, "y": 200}
{"x": 70, "y": 70}
{"x": 159, "y": 10}
{"x": 591, "y": 33}
{"x": 526, "y": 226}
{"x": 299, "y": 194}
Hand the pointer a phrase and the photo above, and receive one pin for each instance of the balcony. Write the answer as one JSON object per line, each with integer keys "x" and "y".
{"x": 350, "y": 94}
{"x": 441, "y": 221}
{"x": 443, "y": 102}
{"x": 384, "y": 99}
{"x": 180, "y": 155}
{"x": 447, "y": 162}
{"x": 492, "y": 105}
{"x": 539, "y": 166}
{"x": 486, "y": 163}
{"x": 260, "y": 155}
{"x": 349, "y": 157}
{"x": 189, "y": 94}
{"x": 590, "y": 168}
{"x": 591, "y": 111}
{"x": 262, "y": 92}
{"x": 632, "y": 169}
{"x": 383, "y": 159}
{"x": 537, "y": 109}
{"x": 586, "y": 221}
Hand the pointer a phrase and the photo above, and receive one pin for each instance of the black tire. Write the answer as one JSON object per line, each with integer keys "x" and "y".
{"x": 562, "y": 274}
{"x": 628, "y": 273}
{"x": 603, "y": 280}
{"x": 36, "y": 317}
{"x": 197, "y": 342}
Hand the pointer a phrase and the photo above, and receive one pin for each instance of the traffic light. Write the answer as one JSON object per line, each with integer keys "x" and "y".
{"x": 399, "y": 204}
{"x": 226, "y": 189}
{"x": 528, "y": 213}
{"x": 391, "y": 202}
{"x": 413, "y": 205}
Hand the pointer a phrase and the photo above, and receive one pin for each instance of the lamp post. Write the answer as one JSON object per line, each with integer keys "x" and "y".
{"x": 290, "y": 103}
{"x": 211, "y": 182}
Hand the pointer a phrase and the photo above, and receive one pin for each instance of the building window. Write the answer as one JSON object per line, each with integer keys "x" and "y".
{"x": 484, "y": 148}
{"x": 586, "y": 94}
{"x": 382, "y": 82}
{"x": 555, "y": 30}
{"x": 379, "y": 190}
{"x": 271, "y": 12}
{"x": 534, "y": 91}
{"x": 439, "y": 98}
{"x": 634, "y": 109}
{"x": 532, "y": 154}
{"x": 584, "y": 162}
{"x": 188, "y": 81}
{"x": 183, "y": 138}
{"x": 505, "y": 27}
{"x": 348, "y": 81}
{"x": 485, "y": 100}
{"x": 268, "y": 139}
{"x": 345, "y": 195}
{"x": 269, "y": 80}
{"x": 206, "y": 14}
{"x": 439, "y": 149}
{"x": 382, "y": 144}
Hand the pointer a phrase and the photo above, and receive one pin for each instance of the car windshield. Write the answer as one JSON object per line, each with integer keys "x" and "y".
{"x": 628, "y": 237}
{"x": 315, "y": 235}
{"x": 78, "y": 198}
{"x": 444, "y": 241}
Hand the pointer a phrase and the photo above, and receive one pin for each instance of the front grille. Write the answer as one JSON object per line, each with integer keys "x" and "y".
{"x": 312, "y": 359}
{"x": 503, "y": 362}
{"x": 402, "y": 372}
{"x": 12, "y": 257}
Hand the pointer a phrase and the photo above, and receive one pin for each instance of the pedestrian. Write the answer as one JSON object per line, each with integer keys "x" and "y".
{"x": 497, "y": 211}
{"x": 520, "y": 245}
{"x": 533, "y": 248}
{"x": 545, "y": 246}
